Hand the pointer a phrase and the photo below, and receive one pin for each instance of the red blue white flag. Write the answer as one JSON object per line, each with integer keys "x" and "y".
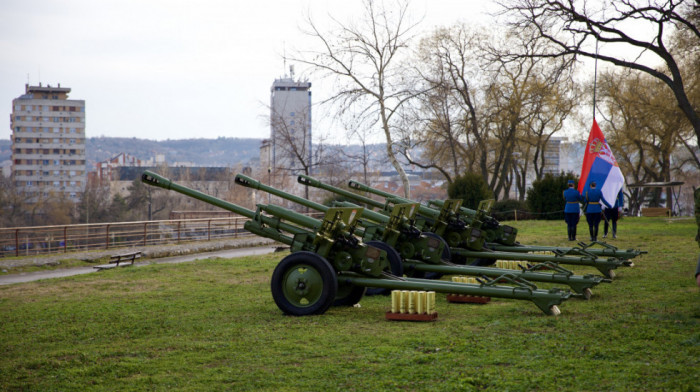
{"x": 599, "y": 165}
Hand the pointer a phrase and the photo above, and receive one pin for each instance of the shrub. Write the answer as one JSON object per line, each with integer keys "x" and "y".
{"x": 505, "y": 210}
{"x": 471, "y": 188}
{"x": 546, "y": 199}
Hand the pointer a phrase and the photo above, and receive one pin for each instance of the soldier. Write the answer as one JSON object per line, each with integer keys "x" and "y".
{"x": 571, "y": 210}
{"x": 592, "y": 200}
{"x": 611, "y": 215}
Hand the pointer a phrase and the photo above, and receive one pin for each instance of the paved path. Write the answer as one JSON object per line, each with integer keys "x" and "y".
{"x": 58, "y": 273}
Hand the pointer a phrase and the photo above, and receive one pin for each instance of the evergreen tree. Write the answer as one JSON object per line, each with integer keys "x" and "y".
{"x": 546, "y": 198}
{"x": 471, "y": 188}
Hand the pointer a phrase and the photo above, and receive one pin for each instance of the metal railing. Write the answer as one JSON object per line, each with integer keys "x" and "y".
{"x": 41, "y": 240}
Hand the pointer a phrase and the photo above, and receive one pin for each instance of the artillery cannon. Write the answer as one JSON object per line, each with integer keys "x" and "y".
{"x": 416, "y": 253}
{"x": 330, "y": 266}
{"x": 583, "y": 249}
{"x": 493, "y": 230}
{"x": 446, "y": 222}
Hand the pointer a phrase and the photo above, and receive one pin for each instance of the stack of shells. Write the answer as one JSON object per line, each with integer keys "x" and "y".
{"x": 412, "y": 302}
{"x": 509, "y": 264}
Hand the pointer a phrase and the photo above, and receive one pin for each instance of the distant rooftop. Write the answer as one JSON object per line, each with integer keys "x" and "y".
{"x": 285, "y": 83}
{"x": 47, "y": 89}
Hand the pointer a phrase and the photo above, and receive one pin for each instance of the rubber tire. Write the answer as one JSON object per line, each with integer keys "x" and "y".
{"x": 348, "y": 295}
{"x": 310, "y": 260}
{"x": 395, "y": 265}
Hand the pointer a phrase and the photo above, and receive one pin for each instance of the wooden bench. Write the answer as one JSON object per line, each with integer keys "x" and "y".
{"x": 655, "y": 211}
{"x": 125, "y": 259}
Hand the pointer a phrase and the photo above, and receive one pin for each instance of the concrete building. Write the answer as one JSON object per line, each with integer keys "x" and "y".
{"x": 290, "y": 125}
{"x": 104, "y": 169}
{"x": 48, "y": 143}
{"x": 552, "y": 153}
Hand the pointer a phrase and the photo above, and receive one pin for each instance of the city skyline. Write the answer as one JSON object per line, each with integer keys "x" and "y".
{"x": 170, "y": 70}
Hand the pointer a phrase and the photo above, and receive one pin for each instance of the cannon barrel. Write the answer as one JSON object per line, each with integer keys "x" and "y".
{"x": 427, "y": 211}
{"x": 154, "y": 179}
{"x": 248, "y": 182}
{"x": 255, "y": 184}
{"x": 310, "y": 181}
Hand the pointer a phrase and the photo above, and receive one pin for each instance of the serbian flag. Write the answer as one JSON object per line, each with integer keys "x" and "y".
{"x": 599, "y": 165}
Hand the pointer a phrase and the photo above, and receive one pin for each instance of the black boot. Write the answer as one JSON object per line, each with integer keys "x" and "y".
{"x": 573, "y": 234}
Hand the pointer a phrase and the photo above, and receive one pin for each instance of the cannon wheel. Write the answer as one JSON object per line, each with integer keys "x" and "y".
{"x": 304, "y": 283}
{"x": 348, "y": 294}
{"x": 395, "y": 265}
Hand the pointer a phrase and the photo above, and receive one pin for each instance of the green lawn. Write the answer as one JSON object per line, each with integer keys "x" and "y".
{"x": 212, "y": 325}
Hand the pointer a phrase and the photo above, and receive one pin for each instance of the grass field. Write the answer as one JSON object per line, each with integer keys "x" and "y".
{"x": 212, "y": 325}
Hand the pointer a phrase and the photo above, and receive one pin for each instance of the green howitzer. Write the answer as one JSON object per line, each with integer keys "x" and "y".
{"x": 330, "y": 266}
{"x": 394, "y": 229}
{"x": 422, "y": 252}
{"x": 483, "y": 256}
{"x": 412, "y": 259}
{"x": 539, "y": 272}
{"x": 444, "y": 222}
{"x": 605, "y": 250}
{"x": 493, "y": 230}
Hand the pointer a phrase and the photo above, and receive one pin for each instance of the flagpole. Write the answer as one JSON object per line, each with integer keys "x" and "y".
{"x": 595, "y": 77}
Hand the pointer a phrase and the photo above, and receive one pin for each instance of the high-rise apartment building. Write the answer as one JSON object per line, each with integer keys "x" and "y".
{"x": 48, "y": 143}
{"x": 290, "y": 125}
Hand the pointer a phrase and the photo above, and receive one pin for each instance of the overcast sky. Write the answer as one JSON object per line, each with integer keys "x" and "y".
{"x": 169, "y": 69}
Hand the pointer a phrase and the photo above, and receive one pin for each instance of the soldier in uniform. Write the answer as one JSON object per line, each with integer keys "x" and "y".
{"x": 592, "y": 199}
{"x": 612, "y": 214}
{"x": 571, "y": 210}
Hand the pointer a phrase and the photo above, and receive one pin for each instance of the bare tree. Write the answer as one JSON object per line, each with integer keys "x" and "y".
{"x": 364, "y": 58}
{"x": 12, "y": 202}
{"x": 640, "y": 118}
{"x": 292, "y": 143}
{"x": 486, "y": 112}
{"x": 357, "y": 130}
{"x": 294, "y": 151}
{"x": 574, "y": 27}
{"x": 447, "y": 120}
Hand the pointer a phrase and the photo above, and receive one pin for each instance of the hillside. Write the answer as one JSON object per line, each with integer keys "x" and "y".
{"x": 201, "y": 152}
{"x": 223, "y": 151}
{"x": 220, "y": 152}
